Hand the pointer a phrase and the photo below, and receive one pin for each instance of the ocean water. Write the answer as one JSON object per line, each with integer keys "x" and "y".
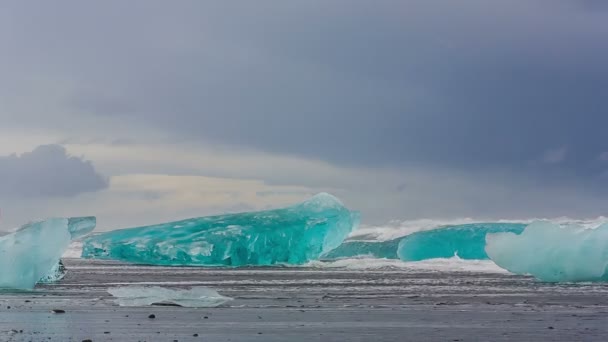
{"x": 395, "y": 230}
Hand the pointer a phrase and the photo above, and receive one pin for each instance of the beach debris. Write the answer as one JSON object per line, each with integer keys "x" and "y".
{"x": 196, "y": 297}
{"x": 58, "y": 311}
{"x": 152, "y": 316}
{"x": 32, "y": 252}
{"x": 292, "y": 235}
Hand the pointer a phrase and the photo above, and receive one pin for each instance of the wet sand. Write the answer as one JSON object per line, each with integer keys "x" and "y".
{"x": 305, "y": 304}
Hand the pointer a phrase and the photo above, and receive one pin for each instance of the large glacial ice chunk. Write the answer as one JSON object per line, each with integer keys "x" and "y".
{"x": 292, "y": 235}
{"x": 553, "y": 253}
{"x": 467, "y": 241}
{"x": 32, "y": 252}
{"x": 196, "y": 297}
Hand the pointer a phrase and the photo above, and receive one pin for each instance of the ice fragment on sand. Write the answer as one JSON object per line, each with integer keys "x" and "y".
{"x": 196, "y": 297}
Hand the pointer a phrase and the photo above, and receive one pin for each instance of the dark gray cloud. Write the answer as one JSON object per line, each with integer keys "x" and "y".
{"x": 518, "y": 87}
{"x": 47, "y": 171}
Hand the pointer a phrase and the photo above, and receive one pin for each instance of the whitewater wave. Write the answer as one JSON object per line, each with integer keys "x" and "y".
{"x": 399, "y": 228}
{"x": 453, "y": 264}
{"x": 74, "y": 251}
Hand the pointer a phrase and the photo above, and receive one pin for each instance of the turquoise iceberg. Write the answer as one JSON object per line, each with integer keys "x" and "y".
{"x": 466, "y": 240}
{"x": 292, "y": 235}
{"x": 31, "y": 254}
{"x": 553, "y": 253}
{"x": 373, "y": 249}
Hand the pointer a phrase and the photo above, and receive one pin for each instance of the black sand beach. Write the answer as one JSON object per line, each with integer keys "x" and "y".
{"x": 308, "y": 304}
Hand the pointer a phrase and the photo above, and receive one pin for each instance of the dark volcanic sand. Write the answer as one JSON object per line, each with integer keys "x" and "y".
{"x": 306, "y": 304}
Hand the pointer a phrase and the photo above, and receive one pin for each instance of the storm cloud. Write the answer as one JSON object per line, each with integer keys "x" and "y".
{"x": 466, "y": 84}
{"x": 47, "y": 171}
{"x": 486, "y": 95}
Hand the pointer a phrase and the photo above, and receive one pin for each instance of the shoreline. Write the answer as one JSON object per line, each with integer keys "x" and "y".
{"x": 304, "y": 304}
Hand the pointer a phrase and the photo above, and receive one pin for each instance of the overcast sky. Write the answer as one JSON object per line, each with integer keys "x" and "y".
{"x": 147, "y": 111}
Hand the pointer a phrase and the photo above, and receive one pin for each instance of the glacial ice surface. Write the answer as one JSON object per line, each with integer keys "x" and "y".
{"x": 467, "y": 241}
{"x": 553, "y": 253}
{"x": 196, "y": 297}
{"x": 32, "y": 252}
{"x": 292, "y": 235}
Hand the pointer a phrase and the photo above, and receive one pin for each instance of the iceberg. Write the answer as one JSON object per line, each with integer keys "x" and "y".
{"x": 553, "y": 253}
{"x": 467, "y": 241}
{"x": 196, "y": 297}
{"x": 292, "y": 235}
{"x": 374, "y": 249}
{"x": 32, "y": 253}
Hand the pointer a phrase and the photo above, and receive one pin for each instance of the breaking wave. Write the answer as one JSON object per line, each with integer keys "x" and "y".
{"x": 560, "y": 250}
{"x": 453, "y": 264}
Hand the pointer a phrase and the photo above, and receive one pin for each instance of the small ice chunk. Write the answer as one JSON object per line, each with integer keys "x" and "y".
{"x": 553, "y": 253}
{"x": 31, "y": 253}
{"x": 196, "y": 297}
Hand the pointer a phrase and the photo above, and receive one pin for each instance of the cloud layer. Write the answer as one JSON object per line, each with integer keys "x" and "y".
{"x": 467, "y": 85}
{"x": 47, "y": 171}
{"x": 403, "y": 108}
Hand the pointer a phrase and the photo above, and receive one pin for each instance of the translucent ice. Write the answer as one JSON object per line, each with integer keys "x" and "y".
{"x": 196, "y": 297}
{"x": 553, "y": 253}
{"x": 56, "y": 274}
{"x": 81, "y": 226}
{"x": 32, "y": 252}
{"x": 465, "y": 240}
{"x": 292, "y": 235}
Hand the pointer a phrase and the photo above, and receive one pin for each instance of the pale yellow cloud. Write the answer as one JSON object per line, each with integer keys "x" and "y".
{"x": 143, "y": 199}
{"x": 199, "y": 192}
